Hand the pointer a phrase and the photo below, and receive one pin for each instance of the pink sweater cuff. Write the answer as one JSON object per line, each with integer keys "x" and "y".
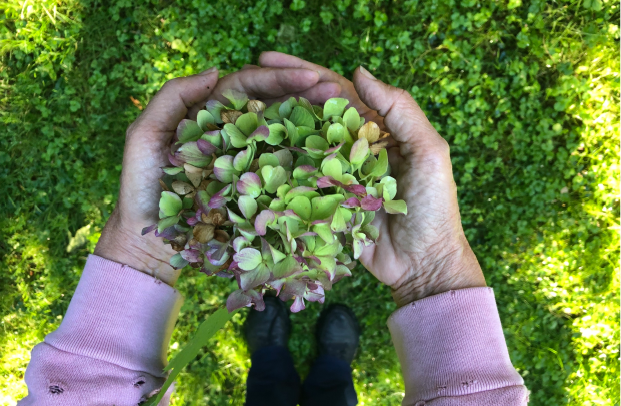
{"x": 119, "y": 315}
{"x": 452, "y": 344}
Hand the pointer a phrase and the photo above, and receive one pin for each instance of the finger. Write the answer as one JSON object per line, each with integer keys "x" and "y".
{"x": 402, "y": 116}
{"x": 171, "y": 104}
{"x": 317, "y": 94}
{"x": 279, "y": 60}
{"x": 267, "y": 83}
{"x": 249, "y": 66}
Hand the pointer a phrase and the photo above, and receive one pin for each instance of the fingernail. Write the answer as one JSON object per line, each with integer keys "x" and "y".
{"x": 367, "y": 73}
{"x": 208, "y": 71}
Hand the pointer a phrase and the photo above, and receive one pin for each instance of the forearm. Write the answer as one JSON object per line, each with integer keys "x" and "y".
{"x": 453, "y": 352}
{"x": 112, "y": 343}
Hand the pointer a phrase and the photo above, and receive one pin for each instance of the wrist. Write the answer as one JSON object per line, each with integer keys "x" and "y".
{"x": 127, "y": 246}
{"x": 457, "y": 270}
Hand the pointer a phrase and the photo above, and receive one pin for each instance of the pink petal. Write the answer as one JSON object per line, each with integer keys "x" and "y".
{"x": 370, "y": 203}
{"x": 298, "y": 305}
{"x": 328, "y": 181}
{"x": 206, "y": 147}
{"x": 351, "y": 203}
{"x": 358, "y": 190}
{"x": 237, "y": 300}
{"x": 260, "y": 223}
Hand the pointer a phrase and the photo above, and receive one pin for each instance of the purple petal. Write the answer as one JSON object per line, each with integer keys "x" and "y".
{"x": 262, "y": 130}
{"x": 260, "y": 223}
{"x": 202, "y": 200}
{"x": 218, "y": 200}
{"x": 174, "y": 160}
{"x": 298, "y": 305}
{"x": 257, "y": 299}
{"x": 224, "y": 168}
{"x": 237, "y": 300}
{"x": 206, "y": 147}
{"x": 192, "y": 221}
{"x": 351, "y": 203}
{"x": 168, "y": 233}
{"x": 334, "y": 148}
{"x": 296, "y": 149}
{"x": 358, "y": 190}
{"x": 370, "y": 203}
{"x": 247, "y": 181}
{"x": 147, "y": 230}
{"x": 191, "y": 255}
{"x": 327, "y": 181}
{"x": 308, "y": 234}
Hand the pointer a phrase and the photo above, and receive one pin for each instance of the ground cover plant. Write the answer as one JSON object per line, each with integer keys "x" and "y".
{"x": 526, "y": 93}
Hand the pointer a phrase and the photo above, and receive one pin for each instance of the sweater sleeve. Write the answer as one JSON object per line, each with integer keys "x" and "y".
{"x": 453, "y": 352}
{"x": 111, "y": 347}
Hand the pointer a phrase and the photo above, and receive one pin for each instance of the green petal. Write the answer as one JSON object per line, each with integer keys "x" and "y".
{"x": 334, "y": 107}
{"x": 395, "y": 207}
{"x": 278, "y": 132}
{"x": 273, "y": 177}
{"x": 331, "y": 166}
{"x": 203, "y": 118}
{"x": 325, "y": 206}
{"x": 359, "y": 151}
{"x": 389, "y": 187}
{"x": 188, "y": 130}
{"x": 301, "y": 206}
{"x": 352, "y": 119}
{"x": 247, "y": 123}
{"x": 336, "y": 133}
{"x": 338, "y": 224}
{"x": 238, "y": 99}
{"x": 248, "y": 258}
{"x": 238, "y": 139}
{"x": 170, "y": 203}
{"x": 268, "y": 159}
{"x": 247, "y": 205}
{"x": 301, "y": 117}
{"x": 271, "y": 113}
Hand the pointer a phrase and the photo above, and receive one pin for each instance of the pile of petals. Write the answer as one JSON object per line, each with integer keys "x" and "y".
{"x": 276, "y": 197}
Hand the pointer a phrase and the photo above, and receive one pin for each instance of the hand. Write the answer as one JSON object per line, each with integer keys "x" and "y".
{"x": 424, "y": 252}
{"x": 147, "y": 146}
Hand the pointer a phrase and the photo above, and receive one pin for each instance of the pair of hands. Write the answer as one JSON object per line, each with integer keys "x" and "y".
{"x": 419, "y": 254}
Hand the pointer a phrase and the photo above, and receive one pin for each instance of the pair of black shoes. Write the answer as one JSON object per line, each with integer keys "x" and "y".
{"x": 337, "y": 330}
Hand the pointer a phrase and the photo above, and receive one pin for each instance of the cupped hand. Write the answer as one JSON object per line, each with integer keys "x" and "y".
{"x": 424, "y": 252}
{"x": 148, "y": 142}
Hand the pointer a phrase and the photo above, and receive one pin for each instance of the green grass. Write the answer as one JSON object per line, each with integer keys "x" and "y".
{"x": 527, "y": 94}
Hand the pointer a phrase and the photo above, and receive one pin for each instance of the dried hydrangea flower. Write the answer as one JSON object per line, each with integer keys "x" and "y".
{"x": 280, "y": 198}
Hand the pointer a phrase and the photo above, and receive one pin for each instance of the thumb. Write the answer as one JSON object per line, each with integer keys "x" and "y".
{"x": 172, "y": 103}
{"x": 403, "y": 118}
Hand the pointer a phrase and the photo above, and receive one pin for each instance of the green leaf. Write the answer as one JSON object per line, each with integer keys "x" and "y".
{"x": 278, "y": 132}
{"x": 352, "y": 119}
{"x": 302, "y": 118}
{"x": 301, "y": 206}
{"x": 170, "y": 203}
{"x": 334, "y": 107}
{"x": 205, "y": 331}
{"x": 395, "y": 207}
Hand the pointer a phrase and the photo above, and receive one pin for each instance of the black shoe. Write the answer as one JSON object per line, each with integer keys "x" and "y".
{"x": 338, "y": 333}
{"x": 269, "y": 327}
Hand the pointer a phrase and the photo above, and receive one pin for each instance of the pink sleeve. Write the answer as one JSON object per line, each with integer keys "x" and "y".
{"x": 453, "y": 352}
{"x": 111, "y": 346}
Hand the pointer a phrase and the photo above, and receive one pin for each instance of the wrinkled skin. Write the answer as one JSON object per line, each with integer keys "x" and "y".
{"x": 424, "y": 252}
{"x": 426, "y": 249}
